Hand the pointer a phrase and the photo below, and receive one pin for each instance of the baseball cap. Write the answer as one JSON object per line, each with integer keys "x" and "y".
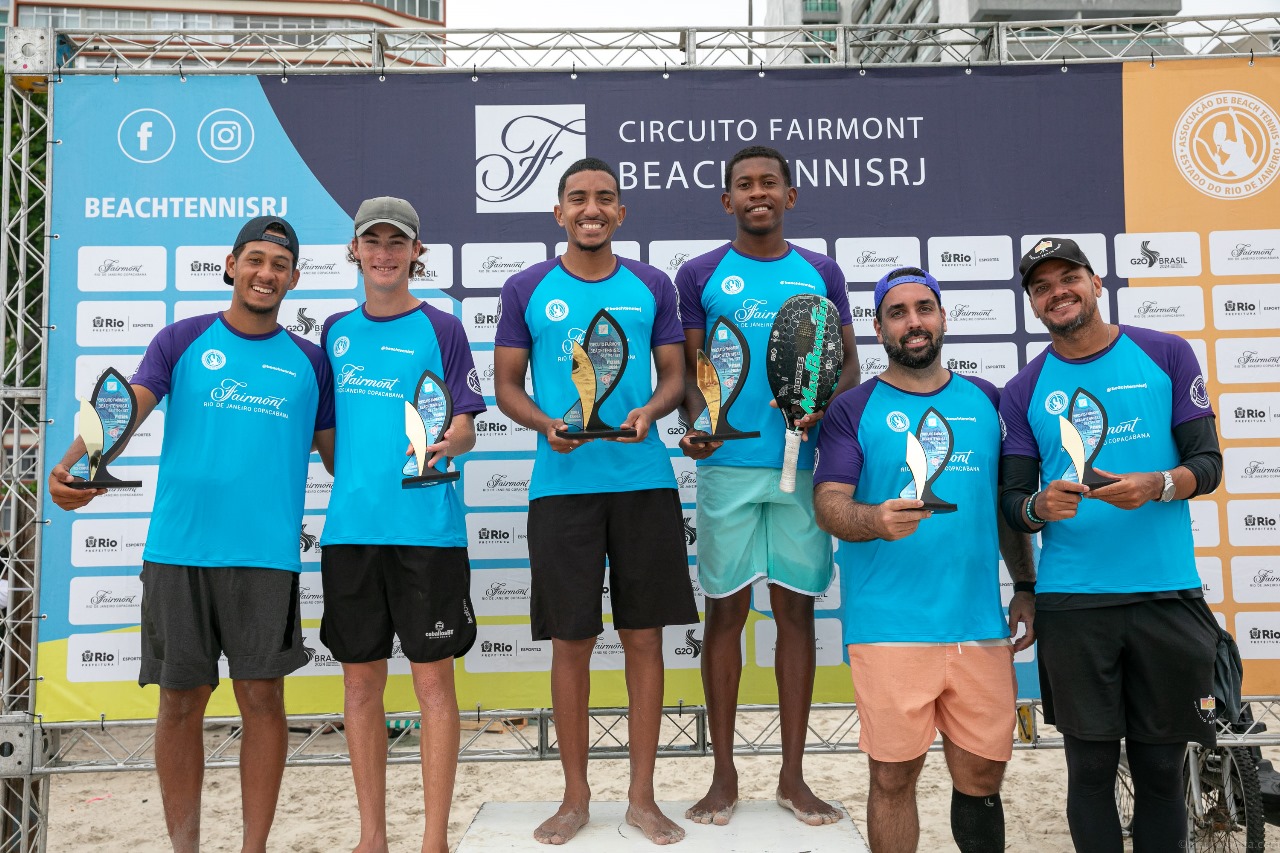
{"x": 1047, "y": 248}
{"x": 256, "y": 229}
{"x": 392, "y": 211}
{"x": 904, "y": 275}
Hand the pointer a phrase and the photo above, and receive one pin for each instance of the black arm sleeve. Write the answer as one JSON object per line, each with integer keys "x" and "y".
{"x": 1198, "y": 452}
{"x": 1019, "y": 478}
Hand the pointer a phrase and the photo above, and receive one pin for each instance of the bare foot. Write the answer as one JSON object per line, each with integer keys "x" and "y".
{"x": 563, "y": 825}
{"x": 372, "y": 845}
{"x": 717, "y": 806}
{"x": 808, "y": 808}
{"x": 656, "y": 826}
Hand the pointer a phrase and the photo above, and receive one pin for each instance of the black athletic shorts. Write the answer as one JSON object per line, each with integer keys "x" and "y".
{"x": 193, "y": 614}
{"x": 1137, "y": 670}
{"x": 375, "y": 593}
{"x": 641, "y": 533}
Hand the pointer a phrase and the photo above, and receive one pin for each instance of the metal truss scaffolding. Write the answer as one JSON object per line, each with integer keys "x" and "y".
{"x": 30, "y": 751}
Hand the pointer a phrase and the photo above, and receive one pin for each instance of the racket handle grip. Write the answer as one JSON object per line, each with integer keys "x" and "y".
{"x": 790, "y": 457}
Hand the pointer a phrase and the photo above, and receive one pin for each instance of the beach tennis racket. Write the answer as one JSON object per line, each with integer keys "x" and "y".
{"x": 803, "y": 365}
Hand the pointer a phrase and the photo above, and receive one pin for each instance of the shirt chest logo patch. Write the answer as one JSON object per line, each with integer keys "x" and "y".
{"x": 732, "y": 285}
{"x": 214, "y": 359}
{"x": 1056, "y": 403}
{"x": 557, "y": 310}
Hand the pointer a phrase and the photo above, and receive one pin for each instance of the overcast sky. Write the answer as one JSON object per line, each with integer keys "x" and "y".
{"x": 579, "y": 14}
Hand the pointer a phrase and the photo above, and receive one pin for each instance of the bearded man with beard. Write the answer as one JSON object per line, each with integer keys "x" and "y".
{"x": 1127, "y": 642}
{"x": 929, "y": 648}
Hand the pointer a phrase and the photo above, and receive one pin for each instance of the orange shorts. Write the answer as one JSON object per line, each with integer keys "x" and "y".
{"x": 907, "y": 694}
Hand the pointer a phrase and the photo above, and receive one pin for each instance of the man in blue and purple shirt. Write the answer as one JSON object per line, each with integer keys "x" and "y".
{"x": 1126, "y": 641}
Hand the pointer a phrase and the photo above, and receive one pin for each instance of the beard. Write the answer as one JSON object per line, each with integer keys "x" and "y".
{"x": 1086, "y": 316}
{"x": 915, "y": 360}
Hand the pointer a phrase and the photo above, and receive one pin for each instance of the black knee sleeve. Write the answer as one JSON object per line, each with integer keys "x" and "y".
{"x": 977, "y": 823}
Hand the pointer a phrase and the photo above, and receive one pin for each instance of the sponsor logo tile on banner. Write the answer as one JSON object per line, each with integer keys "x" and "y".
{"x": 200, "y": 268}
{"x": 309, "y": 536}
{"x": 1205, "y": 532}
{"x": 670, "y": 255}
{"x": 1032, "y": 325}
{"x": 319, "y": 486}
{"x": 830, "y": 649}
{"x": 489, "y": 265}
{"x": 1247, "y": 360}
{"x": 1210, "y": 571}
{"x": 861, "y": 306}
{"x": 325, "y": 267}
{"x": 147, "y": 438}
{"x": 980, "y": 312}
{"x": 1251, "y": 470}
{"x": 813, "y": 244}
{"x": 496, "y": 431}
{"x": 106, "y": 600}
{"x": 118, "y": 324}
{"x": 507, "y": 648}
{"x": 117, "y": 501}
{"x": 480, "y": 318}
{"x": 686, "y": 471}
{"x": 682, "y": 646}
{"x": 104, "y": 657}
{"x": 509, "y": 179}
{"x": 1246, "y": 306}
{"x": 996, "y": 362}
{"x": 1168, "y": 254}
{"x": 121, "y": 268}
{"x": 1253, "y": 522}
{"x": 1093, "y": 245}
{"x": 311, "y": 594}
{"x": 869, "y": 258}
{"x": 1249, "y": 415}
{"x": 438, "y": 259}
{"x": 982, "y": 258}
{"x": 496, "y": 482}
{"x": 1166, "y": 309}
{"x": 498, "y": 535}
{"x": 1244, "y": 252}
{"x": 1257, "y": 634}
{"x": 501, "y": 592}
{"x": 306, "y": 317}
{"x": 108, "y": 541}
{"x": 1256, "y": 579}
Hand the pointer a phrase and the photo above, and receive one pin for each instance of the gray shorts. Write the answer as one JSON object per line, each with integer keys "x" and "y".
{"x": 193, "y": 614}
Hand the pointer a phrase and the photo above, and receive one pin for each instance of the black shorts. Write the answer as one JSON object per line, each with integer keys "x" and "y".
{"x": 642, "y": 534}
{"x": 375, "y": 593}
{"x": 193, "y": 614}
{"x": 1134, "y": 670}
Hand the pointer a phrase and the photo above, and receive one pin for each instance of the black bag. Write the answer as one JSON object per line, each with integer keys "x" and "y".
{"x": 1228, "y": 669}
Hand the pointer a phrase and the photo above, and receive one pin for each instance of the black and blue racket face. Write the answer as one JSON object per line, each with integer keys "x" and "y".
{"x": 805, "y": 355}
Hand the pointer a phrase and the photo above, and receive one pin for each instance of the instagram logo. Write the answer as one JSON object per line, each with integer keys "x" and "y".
{"x": 225, "y": 135}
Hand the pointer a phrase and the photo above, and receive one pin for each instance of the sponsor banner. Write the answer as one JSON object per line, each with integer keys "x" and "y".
{"x": 699, "y": 594}
{"x": 1247, "y": 360}
{"x": 309, "y": 536}
{"x": 108, "y": 541}
{"x": 322, "y": 661}
{"x": 1205, "y": 532}
{"x": 484, "y": 370}
{"x": 508, "y": 179}
{"x": 120, "y": 501}
{"x": 122, "y": 268}
{"x": 326, "y": 268}
{"x": 980, "y": 312}
{"x": 501, "y": 592}
{"x": 1253, "y": 523}
{"x": 106, "y": 600}
{"x": 1201, "y": 350}
{"x": 1094, "y": 247}
{"x": 1257, "y": 634}
{"x": 1251, "y": 470}
{"x": 119, "y": 323}
{"x": 200, "y": 267}
{"x": 1246, "y": 306}
{"x": 188, "y": 308}
{"x": 988, "y": 258}
{"x": 870, "y": 258}
{"x": 670, "y": 430}
{"x": 1249, "y": 415}
{"x": 498, "y": 535}
{"x": 496, "y": 482}
{"x": 507, "y": 648}
{"x": 1245, "y": 252}
{"x": 830, "y": 648}
{"x": 1166, "y": 309}
{"x": 1256, "y": 579}
{"x": 813, "y": 244}
{"x": 996, "y": 362}
{"x": 480, "y": 318}
{"x": 1210, "y": 570}
{"x": 670, "y": 255}
{"x": 686, "y": 471}
{"x": 319, "y": 486}
{"x": 621, "y": 248}
{"x": 306, "y": 317}
{"x": 497, "y": 432}
{"x": 682, "y": 646}
{"x": 438, "y": 259}
{"x": 690, "y": 522}
{"x": 111, "y": 656}
{"x": 1170, "y": 254}
{"x": 1226, "y": 144}
{"x": 311, "y": 594}
{"x": 489, "y": 265}
{"x": 862, "y": 307}
{"x": 873, "y": 361}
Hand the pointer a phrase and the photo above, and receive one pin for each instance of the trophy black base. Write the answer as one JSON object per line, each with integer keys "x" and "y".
{"x": 86, "y": 485}
{"x": 939, "y": 507}
{"x": 424, "y": 480}
{"x": 1094, "y": 480}
{"x": 583, "y": 434}
{"x": 727, "y": 436}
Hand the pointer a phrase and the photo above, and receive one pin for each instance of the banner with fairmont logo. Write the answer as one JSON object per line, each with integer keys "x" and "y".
{"x": 1172, "y": 193}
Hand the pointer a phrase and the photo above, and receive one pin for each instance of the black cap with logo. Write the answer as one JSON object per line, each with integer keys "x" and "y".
{"x": 256, "y": 229}
{"x": 1048, "y": 248}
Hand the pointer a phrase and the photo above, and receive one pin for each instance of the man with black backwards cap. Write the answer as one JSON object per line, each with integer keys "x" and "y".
{"x": 1126, "y": 641}
{"x": 247, "y": 399}
{"x": 394, "y": 560}
{"x": 932, "y": 558}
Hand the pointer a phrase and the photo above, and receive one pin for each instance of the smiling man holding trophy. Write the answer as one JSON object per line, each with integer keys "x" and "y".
{"x": 1126, "y": 641}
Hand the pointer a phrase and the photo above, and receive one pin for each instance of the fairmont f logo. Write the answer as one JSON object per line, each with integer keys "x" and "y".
{"x": 521, "y": 152}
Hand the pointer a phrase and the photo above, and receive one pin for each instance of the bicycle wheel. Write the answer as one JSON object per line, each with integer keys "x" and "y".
{"x": 1227, "y": 815}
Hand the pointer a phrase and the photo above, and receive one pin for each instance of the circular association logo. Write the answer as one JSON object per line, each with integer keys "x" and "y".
{"x": 898, "y": 422}
{"x": 1056, "y": 403}
{"x": 213, "y": 359}
{"x": 732, "y": 285}
{"x": 473, "y": 380}
{"x": 557, "y": 310}
{"x": 1227, "y": 144}
{"x": 1004, "y": 428}
{"x": 341, "y": 345}
{"x": 1199, "y": 394}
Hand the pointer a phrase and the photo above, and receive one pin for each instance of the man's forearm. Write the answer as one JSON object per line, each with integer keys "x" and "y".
{"x": 1015, "y": 548}
{"x": 843, "y": 517}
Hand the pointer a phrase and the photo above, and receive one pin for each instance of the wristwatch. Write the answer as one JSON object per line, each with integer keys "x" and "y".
{"x": 1166, "y": 494}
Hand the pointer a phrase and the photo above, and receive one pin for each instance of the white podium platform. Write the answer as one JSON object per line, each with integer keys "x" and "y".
{"x": 757, "y": 827}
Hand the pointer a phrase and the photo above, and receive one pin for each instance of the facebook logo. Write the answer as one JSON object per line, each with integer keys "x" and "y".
{"x": 146, "y": 136}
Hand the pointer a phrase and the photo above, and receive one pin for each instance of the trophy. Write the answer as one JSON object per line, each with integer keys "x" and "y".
{"x": 598, "y": 364}
{"x": 1084, "y": 430}
{"x": 928, "y": 452}
{"x": 721, "y": 370}
{"x": 107, "y": 421}
{"x": 429, "y": 415}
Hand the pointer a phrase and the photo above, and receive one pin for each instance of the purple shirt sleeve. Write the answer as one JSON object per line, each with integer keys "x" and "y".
{"x": 1018, "y": 440}
{"x": 992, "y": 392}
{"x": 1176, "y": 358}
{"x": 691, "y": 278}
{"x": 666, "y": 320}
{"x": 459, "y": 367}
{"x": 839, "y": 458}
{"x": 325, "y": 416}
{"x": 155, "y": 373}
{"x": 837, "y": 288}
{"x": 513, "y": 330}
